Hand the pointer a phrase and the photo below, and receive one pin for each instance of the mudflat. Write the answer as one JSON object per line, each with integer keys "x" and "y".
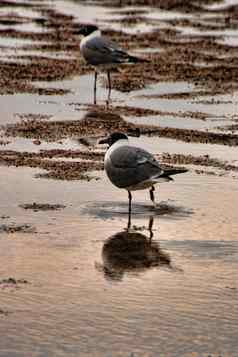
{"x": 74, "y": 281}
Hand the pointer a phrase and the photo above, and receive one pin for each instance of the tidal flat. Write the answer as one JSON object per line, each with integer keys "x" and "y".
{"x": 74, "y": 280}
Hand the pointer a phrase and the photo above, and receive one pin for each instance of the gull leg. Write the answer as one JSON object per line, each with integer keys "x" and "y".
{"x": 152, "y": 196}
{"x": 109, "y": 87}
{"x": 95, "y": 87}
{"x": 151, "y": 221}
{"x": 129, "y": 221}
{"x": 130, "y": 198}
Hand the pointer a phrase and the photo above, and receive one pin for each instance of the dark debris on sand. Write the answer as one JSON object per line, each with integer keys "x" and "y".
{"x": 181, "y": 57}
{"x": 96, "y": 123}
{"x": 206, "y": 62}
{"x": 4, "y": 312}
{"x": 100, "y": 122}
{"x": 57, "y": 169}
{"x": 11, "y": 283}
{"x": 42, "y": 206}
{"x": 203, "y": 160}
{"x": 16, "y": 228}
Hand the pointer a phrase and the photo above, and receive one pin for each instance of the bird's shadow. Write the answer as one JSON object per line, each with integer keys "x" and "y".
{"x": 131, "y": 252}
{"x": 110, "y": 210}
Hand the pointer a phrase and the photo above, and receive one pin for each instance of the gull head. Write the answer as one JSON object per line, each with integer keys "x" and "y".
{"x": 113, "y": 138}
{"x": 84, "y": 29}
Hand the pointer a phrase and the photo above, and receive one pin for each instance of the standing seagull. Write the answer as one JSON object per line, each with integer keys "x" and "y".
{"x": 133, "y": 168}
{"x": 101, "y": 53}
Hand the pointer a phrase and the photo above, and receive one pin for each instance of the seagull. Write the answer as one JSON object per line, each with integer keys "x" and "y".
{"x": 133, "y": 168}
{"x": 101, "y": 53}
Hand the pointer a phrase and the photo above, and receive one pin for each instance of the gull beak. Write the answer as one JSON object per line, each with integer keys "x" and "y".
{"x": 103, "y": 141}
{"x": 134, "y": 132}
{"x": 79, "y": 30}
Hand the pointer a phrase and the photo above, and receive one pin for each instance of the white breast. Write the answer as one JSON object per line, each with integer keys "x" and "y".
{"x": 88, "y": 38}
{"x": 114, "y": 147}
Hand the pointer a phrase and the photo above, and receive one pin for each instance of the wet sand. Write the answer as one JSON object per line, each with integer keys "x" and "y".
{"x": 73, "y": 280}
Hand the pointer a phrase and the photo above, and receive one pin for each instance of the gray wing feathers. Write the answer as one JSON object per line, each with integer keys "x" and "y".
{"x": 100, "y": 51}
{"x": 129, "y": 156}
{"x": 129, "y": 166}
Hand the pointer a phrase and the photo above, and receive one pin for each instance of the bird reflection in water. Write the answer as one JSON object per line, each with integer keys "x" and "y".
{"x": 130, "y": 251}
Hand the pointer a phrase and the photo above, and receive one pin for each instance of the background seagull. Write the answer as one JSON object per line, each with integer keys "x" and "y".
{"x": 133, "y": 168}
{"x": 101, "y": 53}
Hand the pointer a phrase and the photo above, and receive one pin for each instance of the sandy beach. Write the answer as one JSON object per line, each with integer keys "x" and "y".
{"x": 74, "y": 281}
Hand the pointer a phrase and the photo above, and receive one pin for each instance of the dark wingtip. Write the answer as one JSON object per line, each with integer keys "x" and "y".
{"x": 174, "y": 171}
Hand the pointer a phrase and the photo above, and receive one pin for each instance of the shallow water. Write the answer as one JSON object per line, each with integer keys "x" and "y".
{"x": 80, "y": 300}
{"x": 173, "y": 296}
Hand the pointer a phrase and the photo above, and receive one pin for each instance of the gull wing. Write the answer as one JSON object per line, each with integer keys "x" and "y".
{"x": 99, "y": 50}
{"x": 128, "y": 166}
{"x": 130, "y": 156}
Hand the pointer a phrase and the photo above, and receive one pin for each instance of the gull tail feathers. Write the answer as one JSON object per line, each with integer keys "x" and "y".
{"x": 162, "y": 179}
